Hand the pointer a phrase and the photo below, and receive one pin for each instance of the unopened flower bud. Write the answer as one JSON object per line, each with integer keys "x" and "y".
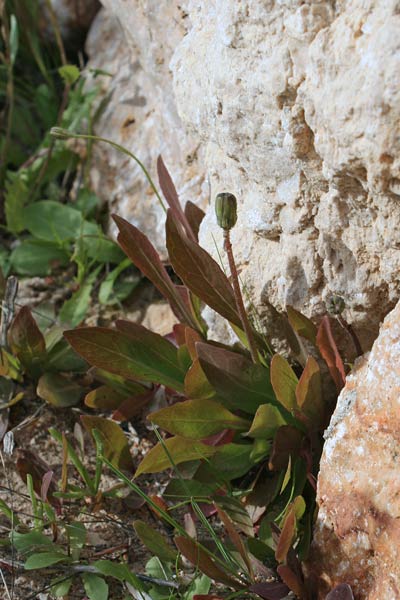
{"x": 225, "y": 209}
{"x": 335, "y": 305}
{"x": 59, "y": 133}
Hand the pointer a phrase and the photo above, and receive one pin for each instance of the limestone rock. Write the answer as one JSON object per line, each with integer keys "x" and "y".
{"x": 357, "y": 534}
{"x": 292, "y": 105}
{"x": 132, "y": 42}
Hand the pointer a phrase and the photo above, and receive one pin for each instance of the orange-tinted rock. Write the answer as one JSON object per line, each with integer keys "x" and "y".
{"x": 357, "y": 533}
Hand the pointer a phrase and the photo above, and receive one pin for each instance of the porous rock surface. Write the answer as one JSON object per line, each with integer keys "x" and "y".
{"x": 292, "y": 105}
{"x": 357, "y": 534}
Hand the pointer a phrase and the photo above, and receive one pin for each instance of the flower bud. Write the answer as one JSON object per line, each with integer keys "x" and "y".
{"x": 225, "y": 210}
{"x": 59, "y": 133}
{"x": 335, "y": 305}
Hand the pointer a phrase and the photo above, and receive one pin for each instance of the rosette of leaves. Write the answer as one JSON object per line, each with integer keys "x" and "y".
{"x": 232, "y": 424}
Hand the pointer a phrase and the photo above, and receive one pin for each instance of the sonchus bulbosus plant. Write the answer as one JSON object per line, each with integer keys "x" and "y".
{"x": 246, "y": 422}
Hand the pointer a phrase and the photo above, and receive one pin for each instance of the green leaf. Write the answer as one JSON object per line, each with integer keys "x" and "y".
{"x": 76, "y": 532}
{"x": 231, "y": 461}
{"x": 26, "y": 341}
{"x": 145, "y": 257}
{"x": 69, "y": 73}
{"x": 62, "y": 357}
{"x": 302, "y": 325}
{"x": 284, "y": 381}
{"x": 118, "y": 570}
{"x": 60, "y": 586}
{"x": 95, "y": 587}
{"x": 239, "y": 382}
{"x": 13, "y": 39}
{"x": 52, "y": 221}
{"x": 134, "y": 353}
{"x": 58, "y": 390}
{"x": 309, "y": 393}
{"x": 116, "y": 448}
{"x": 200, "y": 273}
{"x": 196, "y": 419}
{"x": 179, "y": 449}
{"x": 34, "y": 258}
{"x": 16, "y": 196}
{"x": 106, "y": 295}
{"x": 87, "y": 202}
{"x": 104, "y": 398}
{"x": 189, "y": 488}
{"x": 29, "y": 542}
{"x": 98, "y": 246}
{"x": 265, "y": 423}
{"x": 197, "y": 385}
{"x": 155, "y": 542}
{"x": 41, "y": 560}
{"x": 74, "y": 310}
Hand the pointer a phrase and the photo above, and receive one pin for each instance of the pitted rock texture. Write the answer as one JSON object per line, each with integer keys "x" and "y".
{"x": 292, "y": 105}
{"x": 357, "y": 533}
{"x": 139, "y": 112}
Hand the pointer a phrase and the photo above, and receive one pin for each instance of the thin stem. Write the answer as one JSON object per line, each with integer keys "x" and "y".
{"x": 239, "y": 299}
{"x": 352, "y": 333}
{"x": 66, "y": 134}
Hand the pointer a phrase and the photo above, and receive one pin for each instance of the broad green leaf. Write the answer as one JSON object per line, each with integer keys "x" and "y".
{"x": 61, "y": 586}
{"x": 145, "y": 257}
{"x": 189, "y": 488}
{"x": 132, "y": 353}
{"x": 284, "y": 381}
{"x": 327, "y": 346}
{"x": 239, "y": 382}
{"x": 106, "y": 288}
{"x": 118, "y": 570}
{"x": 155, "y": 542}
{"x": 98, "y": 246}
{"x": 309, "y": 393}
{"x": 62, "y": 357}
{"x": 201, "y": 560}
{"x": 302, "y": 325}
{"x": 197, "y": 385}
{"x": 230, "y": 461}
{"x": 69, "y": 73}
{"x": 28, "y": 542}
{"x": 33, "y": 257}
{"x": 16, "y": 196}
{"x": 196, "y": 419}
{"x": 40, "y": 560}
{"x": 95, "y": 587}
{"x": 58, "y": 390}
{"x": 76, "y": 532}
{"x": 200, "y": 273}
{"x": 116, "y": 448}
{"x": 74, "y": 310}
{"x": 178, "y": 450}
{"x": 52, "y": 221}
{"x": 87, "y": 202}
{"x": 27, "y": 341}
{"x": 104, "y": 398}
{"x": 266, "y": 421}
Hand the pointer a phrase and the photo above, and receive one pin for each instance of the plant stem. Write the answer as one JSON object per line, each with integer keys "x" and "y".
{"x": 352, "y": 334}
{"x": 239, "y": 299}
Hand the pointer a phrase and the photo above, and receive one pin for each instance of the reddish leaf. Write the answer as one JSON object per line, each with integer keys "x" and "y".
{"x": 287, "y": 442}
{"x": 284, "y": 382}
{"x": 28, "y": 462}
{"x": 287, "y": 536}
{"x": 327, "y": 346}
{"x": 134, "y": 353}
{"x": 194, "y": 215}
{"x": 238, "y": 381}
{"x": 200, "y": 273}
{"x": 131, "y": 407}
{"x": 291, "y": 580}
{"x": 115, "y": 444}
{"x": 46, "y": 481}
{"x": 302, "y": 325}
{"x": 201, "y": 560}
{"x": 171, "y": 196}
{"x": 235, "y": 539}
{"x": 26, "y": 340}
{"x": 270, "y": 591}
{"x": 104, "y": 398}
{"x": 179, "y": 333}
{"x": 340, "y": 592}
{"x": 197, "y": 385}
{"x": 143, "y": 254}
{"x": 191, "y": 338}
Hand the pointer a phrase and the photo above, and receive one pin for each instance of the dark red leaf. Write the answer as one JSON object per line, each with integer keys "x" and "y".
{"x": 145, "y": 257}
{"x": 270, "y": 591}
{"x": 327, "y": 346}
{"x": 200, "y": 273}
{"x": 28, "y": 462}
{"x": 27, "y": 341}
{"x": 291, "y": 580}
{"x": 287, "y": 442}
{"x": 171, "y": 196}
{"x": 194, "y": 215}
{"x": 286, "y": 537}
